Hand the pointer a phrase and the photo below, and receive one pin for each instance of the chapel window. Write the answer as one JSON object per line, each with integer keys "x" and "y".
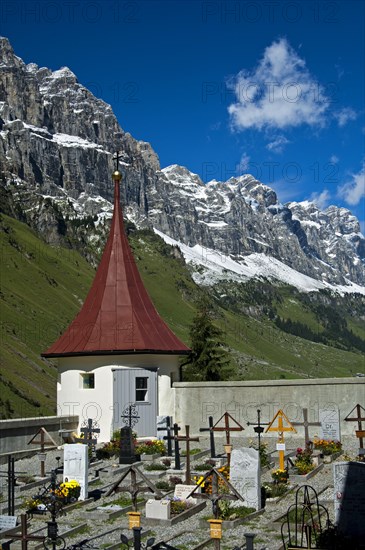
{"x": 141, "y": 388}
{"x": 88, "y": 381}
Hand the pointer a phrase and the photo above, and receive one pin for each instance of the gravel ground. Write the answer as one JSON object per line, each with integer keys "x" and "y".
{"x": 185, "y": 535}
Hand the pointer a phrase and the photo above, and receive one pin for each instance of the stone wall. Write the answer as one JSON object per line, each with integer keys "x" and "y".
{"x": 15, "y": 434}
{"x": 196, "y": 401}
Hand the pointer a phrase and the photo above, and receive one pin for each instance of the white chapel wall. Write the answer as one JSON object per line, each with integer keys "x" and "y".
{"x": 97, "y": 403}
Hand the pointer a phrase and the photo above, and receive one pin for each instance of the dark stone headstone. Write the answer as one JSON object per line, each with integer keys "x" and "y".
{"x": 127, "y": 450}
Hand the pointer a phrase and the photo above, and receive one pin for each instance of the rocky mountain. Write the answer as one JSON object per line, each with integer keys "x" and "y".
{"x": 56, "y": 146}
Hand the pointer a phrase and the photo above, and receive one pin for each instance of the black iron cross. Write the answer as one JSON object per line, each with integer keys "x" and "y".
{"x": 134, "y": 488}
{"x": 258, "y": 429}
{"x": 211, "y": 436}
{"x": 11, "y": 485}
{"x": 117, "y": 157}
{"x": 169, "y": 429}
{"x": 130, "y": 415}
{"x": 173, "y": 437}
{"x": 306, "y": 424}
{"x": 88, "y": 432}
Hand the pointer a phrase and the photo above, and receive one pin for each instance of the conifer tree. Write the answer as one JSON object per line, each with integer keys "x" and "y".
{"x": 207, "y": 361}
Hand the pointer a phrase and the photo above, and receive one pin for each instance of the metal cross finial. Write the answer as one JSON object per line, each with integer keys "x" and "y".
{"x": 117, "y": 157}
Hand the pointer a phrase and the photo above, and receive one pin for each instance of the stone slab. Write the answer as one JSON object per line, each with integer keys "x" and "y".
{"x": 349, "y": 498}
{"x": 245, "y": 476}
{"x": 75, "y": 466}
{"x": 330, "y": 424}
{"x": 158, "y": 509}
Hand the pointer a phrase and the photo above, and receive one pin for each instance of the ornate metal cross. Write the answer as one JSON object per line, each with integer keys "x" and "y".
{"x": 173, "y": 437}
{"x": 130, "y": 415}
{"x": 89, "y": 430}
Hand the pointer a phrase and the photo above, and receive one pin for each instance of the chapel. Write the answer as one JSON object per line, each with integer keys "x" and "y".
{"x": 117, "y": 351}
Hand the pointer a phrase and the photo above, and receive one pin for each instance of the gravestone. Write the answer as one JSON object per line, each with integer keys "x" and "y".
{"x": 127, "y": 449}
{"x": 162, "y": 422}
{"x": 182, "y": 492}
{"x": 75, "y": 466}
{"x": 158, "y": 509}
{"x": 7, "y": 522}
{"x": 245, "y": 476}
{"x": 349, "y": 498}
{"x": 330, "y": 424}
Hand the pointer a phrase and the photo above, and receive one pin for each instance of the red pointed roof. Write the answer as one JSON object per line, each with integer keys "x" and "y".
{"x": 118, "y": 316}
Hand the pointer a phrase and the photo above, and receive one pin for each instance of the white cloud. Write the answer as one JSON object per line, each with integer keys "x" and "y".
{"x": 243, "y": 164}
{"x": 344, "y": 116}
{"x": 279, "y": 92}
{"x": 278, "y": 145}
{"x": 334, "y": 159}
{"x": 353, "y": 191}
{"x": 321, "y": 199}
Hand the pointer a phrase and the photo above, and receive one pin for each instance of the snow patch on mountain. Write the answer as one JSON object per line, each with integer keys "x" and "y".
{"x": 218, "y": 267}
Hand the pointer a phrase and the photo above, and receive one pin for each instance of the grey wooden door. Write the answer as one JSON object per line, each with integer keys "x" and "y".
{"x": 136, "y": 386}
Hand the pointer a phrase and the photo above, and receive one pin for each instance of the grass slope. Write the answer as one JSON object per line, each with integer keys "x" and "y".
{"x": 43, "y": 287}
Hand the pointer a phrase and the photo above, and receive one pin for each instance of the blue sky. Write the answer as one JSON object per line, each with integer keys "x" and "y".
{"x": 275, "y": 89}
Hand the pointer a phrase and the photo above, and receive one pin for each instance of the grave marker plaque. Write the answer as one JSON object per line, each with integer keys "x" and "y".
{"x": 245, "y": 476}
{"x": 7, "y": 522}
{"x": 158, "y": 509}
{"x": 183, "y": 491}
{"x": 349, "y": 498}
{"x": 330, "y": 424}
{"x": 75, "y": 466}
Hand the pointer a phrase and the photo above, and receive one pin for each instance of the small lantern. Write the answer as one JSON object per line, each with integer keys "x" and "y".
{"x": 134, "y": 519}
{"x": 215, "y": 528}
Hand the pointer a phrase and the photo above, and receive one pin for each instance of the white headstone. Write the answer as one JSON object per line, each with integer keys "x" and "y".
{"x": 245, "y": 477}
{"x": 158, "y": 509}
{"x": 330, "y": 424}
{"x": 349, "y": 498}
{"x": 7, "y": 522}
{"x": 75, "y": 466}
{"x": 182, "y": 492}
{"x": 161, "y": 425}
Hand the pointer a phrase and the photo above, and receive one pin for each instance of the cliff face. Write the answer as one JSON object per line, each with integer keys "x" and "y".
{"x": 56, "y": 146}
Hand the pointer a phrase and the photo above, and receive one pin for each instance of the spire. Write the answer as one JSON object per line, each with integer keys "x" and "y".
{"x": 118, "y": 316}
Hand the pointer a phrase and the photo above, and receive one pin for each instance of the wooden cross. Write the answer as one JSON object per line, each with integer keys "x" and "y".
{"x": 187, "y": 440}
{"x": 130, "y": 413}
{"x": 133, "y": 489}
{"x": 24, "y": 537}
{"x": 169, "y": 438}
{"x": 42, "y": 432}
{"x": 228, "y": 429}
{"x": 280, "y": 428}
{"x": 211, "y": 436}
{"x": 215, "y": 495}
{"x": 360, "y": 433}
{"x": 116, "y": 159}
{"x": 88, "y": 432}
{"x": 306, "y": 424}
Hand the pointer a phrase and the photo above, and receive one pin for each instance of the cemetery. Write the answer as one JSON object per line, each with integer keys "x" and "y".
{"x": 72, "y": 497}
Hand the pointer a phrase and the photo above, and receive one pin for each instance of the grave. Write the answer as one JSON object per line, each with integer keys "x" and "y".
{"x": 245, "y": 476}
{"x": 7, "y": 522}
{"x": 183, "y": 491}
{"x": 127, "y": 448}
{"x": 158, "y": 509}
{"x": 75, "y": 466}
{"x": 330, "y": 424}
{"x": 349, "y": 498}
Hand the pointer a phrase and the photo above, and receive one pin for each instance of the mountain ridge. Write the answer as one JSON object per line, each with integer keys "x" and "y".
{"x": 56, "y": 150}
